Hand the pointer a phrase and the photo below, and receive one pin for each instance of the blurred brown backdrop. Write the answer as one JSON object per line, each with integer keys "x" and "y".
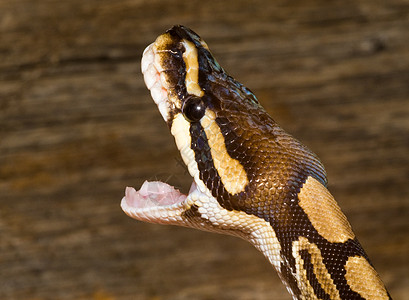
{"x": 77, "y": 125}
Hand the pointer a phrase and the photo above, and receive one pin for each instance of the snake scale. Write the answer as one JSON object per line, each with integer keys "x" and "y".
{"x": 251, "y": 179}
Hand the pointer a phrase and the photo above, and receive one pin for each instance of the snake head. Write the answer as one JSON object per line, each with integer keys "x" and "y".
{"x": 202, "y": 106}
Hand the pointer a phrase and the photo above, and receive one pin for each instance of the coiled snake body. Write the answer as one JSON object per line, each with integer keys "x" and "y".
{"x": 250, "y": 178}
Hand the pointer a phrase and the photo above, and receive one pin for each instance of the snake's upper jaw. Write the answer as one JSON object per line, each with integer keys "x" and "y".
{"x": 155, "y": 80}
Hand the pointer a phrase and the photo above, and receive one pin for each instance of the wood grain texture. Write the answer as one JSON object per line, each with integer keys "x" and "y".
{"x": 77, "y": 125}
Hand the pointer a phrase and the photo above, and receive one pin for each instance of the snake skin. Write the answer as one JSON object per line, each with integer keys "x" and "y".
{"x": 250, "y": 178}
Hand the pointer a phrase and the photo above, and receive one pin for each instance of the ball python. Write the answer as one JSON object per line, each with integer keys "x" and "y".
{"x": 251, "y": 179}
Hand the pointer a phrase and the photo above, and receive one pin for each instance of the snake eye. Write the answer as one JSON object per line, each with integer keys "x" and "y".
{"x": 193, "y": 108}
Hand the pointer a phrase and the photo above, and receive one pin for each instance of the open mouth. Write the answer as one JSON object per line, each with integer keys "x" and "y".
{"x": 154, "y": 200}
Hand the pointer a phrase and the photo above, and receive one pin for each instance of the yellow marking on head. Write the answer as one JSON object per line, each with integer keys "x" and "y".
{"x": 323, "y": 212}
{"x": 162, "y": 56}
{"x": 180, "y": 129}
{"x": 192, "y": 69}
{"x": 162, "y": 42}
{"x": 319, "y": 268}
{"x": 363, "y": 279}
{"x": 231, "y": 172}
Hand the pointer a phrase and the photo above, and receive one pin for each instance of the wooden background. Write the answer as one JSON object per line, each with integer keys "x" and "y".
{"x": 77, "y": 125}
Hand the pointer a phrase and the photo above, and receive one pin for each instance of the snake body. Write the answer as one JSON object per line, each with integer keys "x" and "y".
{"x": 250, "y": 178}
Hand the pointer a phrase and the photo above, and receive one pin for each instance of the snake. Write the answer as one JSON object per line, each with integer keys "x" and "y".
{"x": 251, "y": 179}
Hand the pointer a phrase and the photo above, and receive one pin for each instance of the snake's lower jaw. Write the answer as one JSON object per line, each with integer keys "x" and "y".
{"x": 156, "y": 202}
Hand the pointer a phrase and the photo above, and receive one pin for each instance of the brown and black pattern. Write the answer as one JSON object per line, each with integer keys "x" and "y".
{"x": 277, "y": 166}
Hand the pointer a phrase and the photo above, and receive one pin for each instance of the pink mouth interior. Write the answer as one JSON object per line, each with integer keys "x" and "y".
{"x": 152, "y": 194}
